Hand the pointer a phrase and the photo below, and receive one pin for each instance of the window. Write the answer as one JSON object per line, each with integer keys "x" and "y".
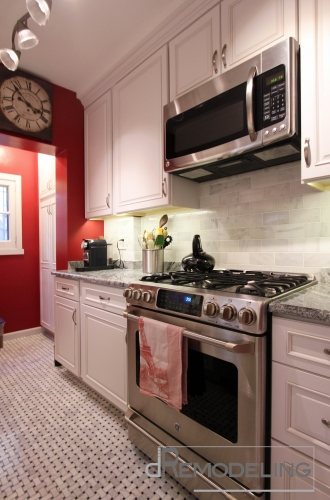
{"x": 10, "y": 214}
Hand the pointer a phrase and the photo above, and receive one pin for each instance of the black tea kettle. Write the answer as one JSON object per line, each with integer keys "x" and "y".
{"x": 198, "y": 261}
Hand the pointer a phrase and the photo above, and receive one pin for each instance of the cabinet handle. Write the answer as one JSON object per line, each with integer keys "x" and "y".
{"x": 108, "y": 200}
{"x": 48, "y": 185}
{"x": 326, "y": 351}
{"x": 325, "y": 422}
{"x": 65, "y": 288}
{"x": 307, "y": 153}
{"x": 74, "y": 316}
{"x": 103, "y": 298}
{"x": 164, "y": 187}
{"x": 223, "y": 55}
{"x": 214, "y": 61}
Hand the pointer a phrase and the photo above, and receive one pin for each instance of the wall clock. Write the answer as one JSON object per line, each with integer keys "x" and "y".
{"x": 25, "y": 104}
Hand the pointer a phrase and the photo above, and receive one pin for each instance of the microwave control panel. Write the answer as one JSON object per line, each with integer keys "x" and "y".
{"x": 274, "y": 96}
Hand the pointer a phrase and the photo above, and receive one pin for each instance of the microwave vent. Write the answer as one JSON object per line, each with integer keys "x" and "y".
{"x": 277, "y": 152}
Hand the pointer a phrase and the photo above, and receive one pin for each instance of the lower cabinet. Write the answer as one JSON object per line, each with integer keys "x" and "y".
{"x": 90, "y": 336}
{"x": 300, "y": 411}
{"x": 103, "y": 353}
{"x": 67, "y": 334}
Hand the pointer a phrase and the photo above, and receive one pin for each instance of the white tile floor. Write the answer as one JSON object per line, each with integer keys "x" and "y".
{"x": 60, "y": 439}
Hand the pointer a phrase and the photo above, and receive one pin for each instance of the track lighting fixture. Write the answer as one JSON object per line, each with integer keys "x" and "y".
{"x": 22, "y": 37}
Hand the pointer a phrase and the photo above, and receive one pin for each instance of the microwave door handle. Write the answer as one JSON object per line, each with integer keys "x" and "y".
{"x": 249, "y": 103}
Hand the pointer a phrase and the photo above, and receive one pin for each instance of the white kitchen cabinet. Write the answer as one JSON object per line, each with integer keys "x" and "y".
{"x": 46, "y": 175}
{"x": 301, "y": 398}
{"x": 47, "y": 249}
{"x": 314, "y": 19}
{"x": 67, "y": 324}
{"x": 98, "y": 158}
{"x": 250, "y": 26}
{"x": 103, "y": 342}
{"x": 195, "y": 54}
{"x": 140, "y": 182}
{"x": 311, "y": 481}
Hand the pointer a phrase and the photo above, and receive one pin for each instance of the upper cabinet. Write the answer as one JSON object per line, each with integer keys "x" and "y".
{"x": 249, "y": 26}
{"x": 195, "y": 54}
{"x": 315, "y": 97}
{"x": 98, "y": 158}
{"x": 138, "y": 170}
{"x": 46, "y": 175}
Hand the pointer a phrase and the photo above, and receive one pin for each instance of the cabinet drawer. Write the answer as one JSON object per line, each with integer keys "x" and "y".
{"x": 103, "y": 297}
{"x": 301, "y": 409}
{"x": 303, "y": 345}
{"x": 311, "y": 482}
{"x": 67, "y": 288}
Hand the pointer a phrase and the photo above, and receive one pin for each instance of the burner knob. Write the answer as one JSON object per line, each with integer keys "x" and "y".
{"x": 147, "y": 296}
{"x": 137, "y": 294}
{"x": 211, "y": 309}
{"x": 128, "y": 293}
{"x": 228, "y": 312}
{"x": 246, "y": 316}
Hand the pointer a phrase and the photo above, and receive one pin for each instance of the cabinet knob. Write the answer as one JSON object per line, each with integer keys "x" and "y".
{"x": 326, "y": 351}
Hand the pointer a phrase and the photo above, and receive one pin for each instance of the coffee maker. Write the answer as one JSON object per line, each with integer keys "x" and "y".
{"x": 95, "y": 253}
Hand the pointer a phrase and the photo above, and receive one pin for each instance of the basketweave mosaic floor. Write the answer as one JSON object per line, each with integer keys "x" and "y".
{"x": 60, "y": 439}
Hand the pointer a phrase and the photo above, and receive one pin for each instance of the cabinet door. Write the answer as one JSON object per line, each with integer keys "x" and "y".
{"x": 249, "y": 26}
{"x": 47, "y": 239}
{"x": 301, "y": 410}
{"x": 46, "y": 175}
{"x": 103, "y": 354}
{"x": 138, "y": 100}
{"x": 67, "y": 334}
{"x": 195, "y": 54}
{"x": 315, "y": 97}
{"x": 98, "y": 158}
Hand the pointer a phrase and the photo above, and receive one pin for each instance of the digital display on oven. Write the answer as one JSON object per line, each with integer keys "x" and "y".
{"x": 186, "y": 303}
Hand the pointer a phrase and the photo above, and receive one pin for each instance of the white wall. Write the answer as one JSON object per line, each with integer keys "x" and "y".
{"x": 264, "y": 219}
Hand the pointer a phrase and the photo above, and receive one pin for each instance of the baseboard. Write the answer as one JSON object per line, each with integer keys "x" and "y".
{"x": 23, "y": 333}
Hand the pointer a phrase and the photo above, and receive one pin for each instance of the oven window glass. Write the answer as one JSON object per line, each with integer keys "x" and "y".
{"x": 212, "y": 392}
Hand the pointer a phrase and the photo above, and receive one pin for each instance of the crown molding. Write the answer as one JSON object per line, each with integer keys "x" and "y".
{"x": 178, "y": 21}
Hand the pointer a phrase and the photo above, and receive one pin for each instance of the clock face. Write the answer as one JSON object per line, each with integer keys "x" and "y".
{"x": 26, "y": 104}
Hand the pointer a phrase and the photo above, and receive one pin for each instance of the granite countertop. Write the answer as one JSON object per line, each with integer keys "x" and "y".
{"x": 119, "y": 278}
{"x": 310, "y": 304}
{"x": 110, "y": 277}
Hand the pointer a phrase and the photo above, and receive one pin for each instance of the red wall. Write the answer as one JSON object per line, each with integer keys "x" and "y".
{"x": 19, "y": 290}
{"x": 71, "y": 226}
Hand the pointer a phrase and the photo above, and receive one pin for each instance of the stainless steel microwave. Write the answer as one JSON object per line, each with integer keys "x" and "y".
{"x": 242, "y": 120}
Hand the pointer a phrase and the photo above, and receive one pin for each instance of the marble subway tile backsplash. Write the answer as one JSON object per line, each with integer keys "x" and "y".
{"x": 259, "y": 220}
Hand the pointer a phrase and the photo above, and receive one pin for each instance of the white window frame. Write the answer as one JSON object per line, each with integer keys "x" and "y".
{"x": 14, "y": 245}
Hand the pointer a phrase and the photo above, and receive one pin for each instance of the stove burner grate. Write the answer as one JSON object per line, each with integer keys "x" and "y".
{"x": 258, "y": 283}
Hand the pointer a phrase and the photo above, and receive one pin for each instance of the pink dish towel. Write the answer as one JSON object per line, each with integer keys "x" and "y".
{"x": 163, "y": 362}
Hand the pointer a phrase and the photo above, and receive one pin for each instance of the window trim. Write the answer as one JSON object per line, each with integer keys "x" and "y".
{"x": 14, "y": 245}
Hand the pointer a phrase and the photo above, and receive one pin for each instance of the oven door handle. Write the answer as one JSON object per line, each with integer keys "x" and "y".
{"x": 243, "y": 347}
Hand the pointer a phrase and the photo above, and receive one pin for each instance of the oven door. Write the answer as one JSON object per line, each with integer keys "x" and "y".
{"x": 224, "y": 420}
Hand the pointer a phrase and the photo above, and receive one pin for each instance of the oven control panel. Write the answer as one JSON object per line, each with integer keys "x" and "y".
{"x": 238, "y": 313}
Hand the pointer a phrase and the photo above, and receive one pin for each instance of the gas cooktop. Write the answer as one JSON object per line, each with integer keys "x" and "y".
{"x": 256, "y": 283}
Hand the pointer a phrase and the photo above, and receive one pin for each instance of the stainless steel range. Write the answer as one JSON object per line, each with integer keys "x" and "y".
{"x": 217, "y": 441}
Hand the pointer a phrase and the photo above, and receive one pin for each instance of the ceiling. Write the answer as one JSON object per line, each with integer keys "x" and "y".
{"x": 84, "y": 39}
